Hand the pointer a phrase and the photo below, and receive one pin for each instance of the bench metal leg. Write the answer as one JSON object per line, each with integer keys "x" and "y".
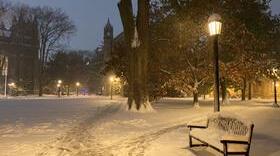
{"x": 190, "y": 141}
{"x": 195, "y": 145}
{"x": 225, "y": 150}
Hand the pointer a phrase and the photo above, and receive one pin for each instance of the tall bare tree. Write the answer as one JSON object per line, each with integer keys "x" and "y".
{"x": 54, "y": 26}
{"x": 136, "y": 37}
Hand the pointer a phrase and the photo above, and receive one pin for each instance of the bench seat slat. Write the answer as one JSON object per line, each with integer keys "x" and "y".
{"x": 224, "y": 133}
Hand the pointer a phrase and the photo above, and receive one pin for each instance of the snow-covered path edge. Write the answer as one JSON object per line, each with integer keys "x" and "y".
{"x": 80, "y": 138}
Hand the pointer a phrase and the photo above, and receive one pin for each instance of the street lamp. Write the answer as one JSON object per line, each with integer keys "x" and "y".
{"x": 12, "y": 85}
{"x": 215, "y": 27}
{"x": 275, "y": 92}
{"x": 58, "y": 89}
{"x": 77, "y": 88}
{"x": 5, "y": 72}
{"x": 59, "y": 82}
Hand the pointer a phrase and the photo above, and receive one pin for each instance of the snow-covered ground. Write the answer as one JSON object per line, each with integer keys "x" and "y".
{"x": 97, "y": 126}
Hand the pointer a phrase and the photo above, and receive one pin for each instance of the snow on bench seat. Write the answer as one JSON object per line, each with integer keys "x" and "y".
{"x": 225, "y": 132}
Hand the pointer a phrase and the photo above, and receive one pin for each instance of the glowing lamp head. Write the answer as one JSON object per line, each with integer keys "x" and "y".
{"x": 12, "y": 84}
{"x": 78, "y": 84}
{"x": 112, "y": 78}
{"x": 59, "y": 81}
{"x": 215, "y": 24}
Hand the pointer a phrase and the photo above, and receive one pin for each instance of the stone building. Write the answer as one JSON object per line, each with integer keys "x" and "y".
{"x": 20, "y": 45}
{"x": 108, "y": 38}
{"x": 103, "y": 55}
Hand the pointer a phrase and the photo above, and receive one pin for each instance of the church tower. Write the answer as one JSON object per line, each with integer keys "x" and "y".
{"x": 108, "y": 41}
{"x": 107, "y": 55}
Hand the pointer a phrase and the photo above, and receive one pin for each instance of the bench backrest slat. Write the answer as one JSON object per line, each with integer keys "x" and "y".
{"x": 228, "y": 124}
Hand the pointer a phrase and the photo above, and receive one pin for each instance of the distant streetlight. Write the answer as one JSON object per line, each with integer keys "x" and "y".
{"x": 12, "y": 85}
{"x": 77, "y": 88}
{"x": 59, "y": 82}
{"x": 215, "y": 27}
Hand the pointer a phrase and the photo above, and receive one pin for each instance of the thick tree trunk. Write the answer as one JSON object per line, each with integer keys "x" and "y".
{"x": 126, "y": 12}
{"x": 250, "y": 91}
{"x": 224, "y": 91}
{"x": 68, "y": 90}
{"x": 40, "y": 79}
{"x": 138, "y": 56}
{"x": 40, "y": 86}
{"x": 143, "y": 29}
{"x": 244, "y": 87}
{"x": 195, "y": 99}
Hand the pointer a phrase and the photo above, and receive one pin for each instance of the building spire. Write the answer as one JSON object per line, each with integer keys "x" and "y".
{"x": 108, "y": 25}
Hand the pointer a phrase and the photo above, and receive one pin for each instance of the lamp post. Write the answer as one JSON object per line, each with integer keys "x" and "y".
{"x": 215, "y": 27}
{"x": 6, "y": 76}
{"x": 275, "y": 93}
{"x": 275, "y": 85}
{"x": 77, "y": 88}
{"x": 58, "y": 89}
{"x": 59, "y": 82}
{"x": 12, "y": 86}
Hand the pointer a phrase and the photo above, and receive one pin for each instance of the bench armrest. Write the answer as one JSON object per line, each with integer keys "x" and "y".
{"x": 234, "y": 142}
{"x": 198, "y": 123}
{"x": 196, "y": 126}
{"x": 234, "y": 139}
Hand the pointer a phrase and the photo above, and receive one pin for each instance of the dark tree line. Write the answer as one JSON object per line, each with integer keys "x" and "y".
{"x": 70, "y": 67}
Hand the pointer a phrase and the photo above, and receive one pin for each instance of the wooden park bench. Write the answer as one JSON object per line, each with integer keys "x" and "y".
{"x": 223, "y": 132}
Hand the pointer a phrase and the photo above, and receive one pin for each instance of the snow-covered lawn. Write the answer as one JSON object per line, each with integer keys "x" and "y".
{"x": 98, "y": 126}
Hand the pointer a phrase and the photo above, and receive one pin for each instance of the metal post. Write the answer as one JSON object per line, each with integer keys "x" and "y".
{"x": 6, "y": 77}
{"x": 77, "y": 91}
{"x": 216, "y": 75}
{"x": 275, "y": 93}
{"x": 59, "y": 92}
{"x": 6, "y": 82}
{"x": 111, "y": 90}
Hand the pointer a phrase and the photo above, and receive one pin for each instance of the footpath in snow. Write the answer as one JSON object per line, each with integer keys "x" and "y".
{"x": 97, "y": 126}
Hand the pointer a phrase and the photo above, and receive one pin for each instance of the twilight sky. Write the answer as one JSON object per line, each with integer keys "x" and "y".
{"x": 90, "y": 16}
